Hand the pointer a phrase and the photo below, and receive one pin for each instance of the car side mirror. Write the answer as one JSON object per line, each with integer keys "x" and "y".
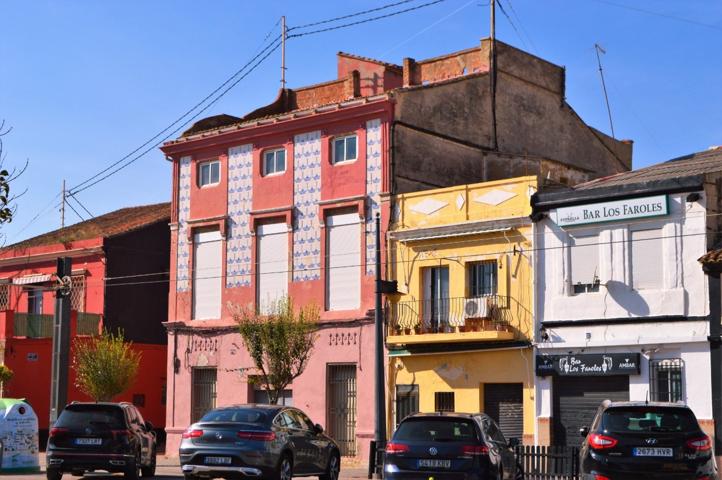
{"x": 513, "y": 442}
{"x": 318, "y": 428}
{"x": 584, "y": 431}
{"x": 149, "y": 426}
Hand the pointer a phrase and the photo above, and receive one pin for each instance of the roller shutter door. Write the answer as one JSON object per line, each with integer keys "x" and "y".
{"x": 272, "y": 239}
{"x": 576, "y": 400}
{"x": 343, "y": 278}
{"x": 207, "y": 272}
{"x": 503, "y": 402}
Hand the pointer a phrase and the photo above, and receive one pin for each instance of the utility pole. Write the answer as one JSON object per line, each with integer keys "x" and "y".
{"x": 380, "y": 384}
{"x": 62, "y": 207}
{"x": 61, "y": 341}
{"x": 598, "y": 48}
{"x": 283, "y": 52}
{"x": 492, "y": 73}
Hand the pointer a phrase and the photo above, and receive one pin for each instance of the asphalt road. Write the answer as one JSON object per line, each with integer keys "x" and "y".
{"x": 163, "y": 472}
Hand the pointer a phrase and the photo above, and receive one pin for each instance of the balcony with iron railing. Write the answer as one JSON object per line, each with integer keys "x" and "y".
{"x": 491, "y": 318}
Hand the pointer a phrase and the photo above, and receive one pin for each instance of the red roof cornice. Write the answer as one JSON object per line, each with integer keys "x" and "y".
{"x": 298, "y": 122}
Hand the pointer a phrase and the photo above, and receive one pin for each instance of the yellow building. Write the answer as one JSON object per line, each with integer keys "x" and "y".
{"x": 460, "y": 329}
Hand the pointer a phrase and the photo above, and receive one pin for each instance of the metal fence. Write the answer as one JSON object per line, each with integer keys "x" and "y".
{"x": 541, "y": 462}
{"x": 88, "y": 323}
{"x": 33, "y": 325}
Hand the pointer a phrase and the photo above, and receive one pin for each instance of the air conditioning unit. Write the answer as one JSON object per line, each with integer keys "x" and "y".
{"x": 476, "y": 308}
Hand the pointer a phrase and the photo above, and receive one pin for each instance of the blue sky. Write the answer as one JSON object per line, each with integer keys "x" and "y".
{"x": 83, "y": 83}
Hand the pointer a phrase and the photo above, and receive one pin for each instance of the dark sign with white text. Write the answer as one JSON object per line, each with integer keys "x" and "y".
{"x": 588, "y": 364}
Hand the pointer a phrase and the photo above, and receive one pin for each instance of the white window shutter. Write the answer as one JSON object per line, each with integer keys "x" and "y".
{"x": 272, "y": 239}
{"x": 207, "y": 272}
{"x": 585, "y": 259}
{"x": 647, "y": 259}
{"x": 343, "y": 251}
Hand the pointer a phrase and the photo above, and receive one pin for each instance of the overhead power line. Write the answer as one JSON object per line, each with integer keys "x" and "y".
{"x": 367, "y": 20}
{"x": 350, "y": 15}
{"x": 659, "y": 14}
{"x": 80, "y": 204}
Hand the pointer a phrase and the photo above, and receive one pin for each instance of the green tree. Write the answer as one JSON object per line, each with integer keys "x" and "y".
{"x": 280, "y": 343}
{"x": 105, "y": 366}
{"x": 5, "y": 376}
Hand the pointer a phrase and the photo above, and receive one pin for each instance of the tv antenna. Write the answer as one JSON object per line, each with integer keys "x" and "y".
{"x": 598, "y": 48}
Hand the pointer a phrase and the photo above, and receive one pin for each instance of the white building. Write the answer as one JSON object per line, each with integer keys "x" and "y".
{"x": 622, "y": 303}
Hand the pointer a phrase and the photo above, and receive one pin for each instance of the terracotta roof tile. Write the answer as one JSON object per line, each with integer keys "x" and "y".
{"x": 108, "y": 225}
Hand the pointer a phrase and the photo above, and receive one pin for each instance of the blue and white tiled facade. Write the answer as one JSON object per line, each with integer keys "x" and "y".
{"x": 373, "y": 189}
{"x": 240, "y": 202}
{"x": 306, "y": 195}
{"x": 184, "y": 210}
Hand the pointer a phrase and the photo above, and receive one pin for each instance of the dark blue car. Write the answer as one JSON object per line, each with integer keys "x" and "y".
{"x": 261, "y": 441}
{"x": 450, "y": 446}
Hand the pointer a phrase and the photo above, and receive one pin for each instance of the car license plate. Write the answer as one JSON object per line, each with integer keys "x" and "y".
{"x": 218, "y": 460}
{"x": 652, "y": 452}
{"x": 88, "y": 441}
{"x": 432, "y": 463}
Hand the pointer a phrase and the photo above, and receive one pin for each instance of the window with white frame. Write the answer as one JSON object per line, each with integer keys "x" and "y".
{"x": 343, "y": 252}
{"x": 274, "y": 161}
{"x": 647, "y": 259}
{"x": 209, "y": 173}
{"x": 35, "y": 300}
{"x": 207, "y": 271}
{"x": 482, "y": 278}
{"x": 584, "y": 260}
{"x": 344, "y": 149}
{"x": 272, "y": 266}
{"x": 665, "y": 380}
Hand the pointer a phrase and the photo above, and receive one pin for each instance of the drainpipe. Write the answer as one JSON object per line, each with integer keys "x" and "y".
{"x": 715, "y": 350}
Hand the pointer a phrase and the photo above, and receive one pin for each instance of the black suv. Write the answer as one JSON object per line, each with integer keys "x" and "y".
{"x": 101, "y": 436}
{"x": 639, "y": 440}
{"x": 450, "y": 445}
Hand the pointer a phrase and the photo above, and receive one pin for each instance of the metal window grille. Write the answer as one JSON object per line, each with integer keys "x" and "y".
{"x": 204, "y": 392}
{"x": 482, "y": 278}
{"x": 341, "y": 401}
{"x": 665, "y": 380}
{"x": 5, "y": 297}
{"x": 407, "y": 401}
{"x": 444, "y": 402}
{"x": 77, "y": 293}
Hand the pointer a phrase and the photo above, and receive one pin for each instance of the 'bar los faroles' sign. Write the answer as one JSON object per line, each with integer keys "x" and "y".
{"x": 612, "y": 211}
{"x": 588, "y": 364}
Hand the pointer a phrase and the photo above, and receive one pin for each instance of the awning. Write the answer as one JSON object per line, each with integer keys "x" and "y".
{"x": 460, "y": 229}
{"x": 32, "y": 279}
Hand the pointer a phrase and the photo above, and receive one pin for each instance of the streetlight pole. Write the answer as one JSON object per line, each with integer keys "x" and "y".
{"x": 380, "y": 431}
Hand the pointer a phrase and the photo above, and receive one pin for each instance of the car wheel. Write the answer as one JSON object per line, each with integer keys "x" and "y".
{"x": 132, "y": 470}
{"x": 149, "y": 470}
{"x": 54, "y": 474}
{"x": 332, "y": 469}
{"x": 285, "y": 468}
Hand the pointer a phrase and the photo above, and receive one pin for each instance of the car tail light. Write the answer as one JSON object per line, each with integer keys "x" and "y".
{"x": 601, "y": 442}
{"x": 57, "y": 431}
{"x": 192, "y": 433}
{"x": 260, "y": 436}
{"x": 700, "y": 444}
{"x": 393, "y": 447}
{"x": 597, "y": 476}
{"x": 475, "y": 450}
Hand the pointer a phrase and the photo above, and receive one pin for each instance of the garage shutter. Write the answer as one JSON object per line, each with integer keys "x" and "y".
{"x": 576, "y": 400}
{"x": 207, "y": 273}
{"x": 343, "y": 281}
{"x": 503, "y": 402}
{"x": 272, "y": 264}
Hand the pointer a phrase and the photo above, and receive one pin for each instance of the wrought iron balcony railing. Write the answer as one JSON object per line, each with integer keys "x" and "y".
{"x": 88, "y": 323}
{"x": 458, "y": 315}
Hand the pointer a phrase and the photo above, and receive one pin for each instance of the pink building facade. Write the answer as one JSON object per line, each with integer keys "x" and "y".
{"x": 276, "y": 204}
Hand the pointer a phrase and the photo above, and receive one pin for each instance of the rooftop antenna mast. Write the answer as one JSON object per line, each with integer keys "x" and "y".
{"x": 283, "y": 52}
{"x": 598, "y": 48}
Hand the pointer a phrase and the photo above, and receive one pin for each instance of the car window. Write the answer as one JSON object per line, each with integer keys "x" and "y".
{"x": 291, "y": 420}
{"x": 306, "y": 422}
{"x": 436, "y": 429}
{"x": 106, "y": 416}
{"x": 240, "y": 415}
{"x": 494, "y": 433}
{"x": 141, "y": 420}
{"x": 649, "y": 419}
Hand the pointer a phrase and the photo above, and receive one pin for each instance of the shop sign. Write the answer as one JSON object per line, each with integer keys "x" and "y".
{"x": 588, "y": 364}
{"x": 612, "y": 211}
